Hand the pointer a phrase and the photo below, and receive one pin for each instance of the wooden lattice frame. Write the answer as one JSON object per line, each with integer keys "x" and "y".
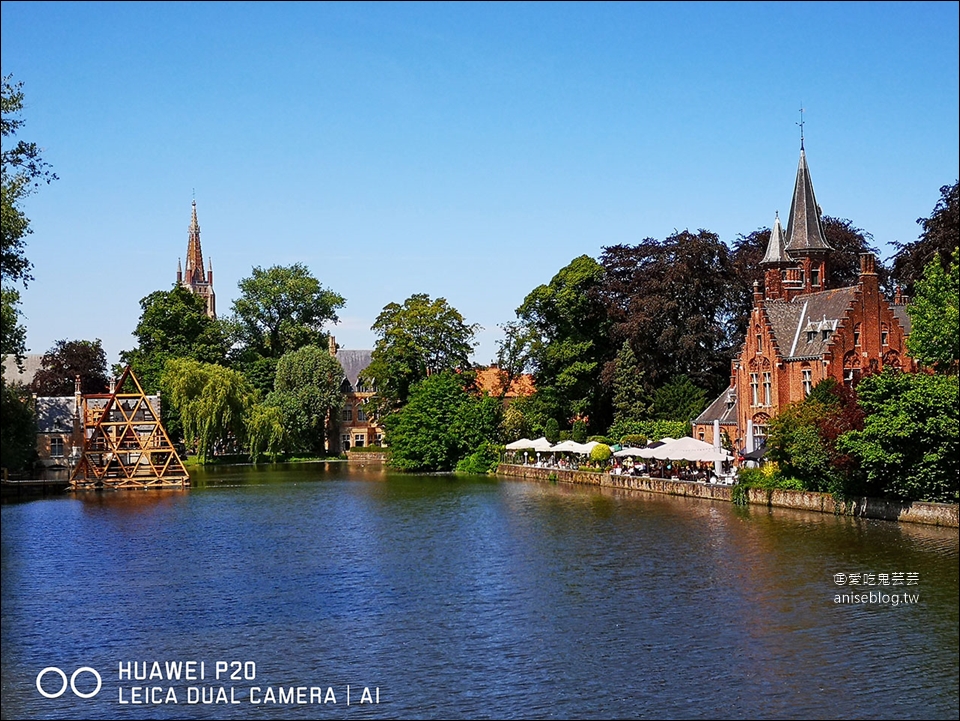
{"x": 124, "y": 443}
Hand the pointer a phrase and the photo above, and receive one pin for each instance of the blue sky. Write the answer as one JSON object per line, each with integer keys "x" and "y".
{"x": 466, "y": 151}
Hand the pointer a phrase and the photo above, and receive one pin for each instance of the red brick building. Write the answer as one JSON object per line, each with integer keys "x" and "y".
{"x": 802, "y": 330}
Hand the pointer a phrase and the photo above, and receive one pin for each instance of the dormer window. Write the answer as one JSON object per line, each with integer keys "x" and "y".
{"x": 811, "y": 336}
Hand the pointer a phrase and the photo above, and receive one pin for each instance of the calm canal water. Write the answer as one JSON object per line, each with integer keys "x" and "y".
{"x": 466, "y": 597}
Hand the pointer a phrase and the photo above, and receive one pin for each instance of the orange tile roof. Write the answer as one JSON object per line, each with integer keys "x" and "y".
{"x": 489, "y": 381}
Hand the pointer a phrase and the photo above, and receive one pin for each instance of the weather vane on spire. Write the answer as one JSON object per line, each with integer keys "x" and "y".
{"x": 801, "y": 126}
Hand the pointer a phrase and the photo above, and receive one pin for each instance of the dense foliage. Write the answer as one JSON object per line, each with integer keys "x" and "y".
{"x": 441, "y": 423}
{"x": 283, "y": 308}
{"x": 307, "y": 391}
{"x": 213, "y": 403}
{"x": 66, "y": 360}
{"x": 908, "y": 447}
{"x": 414, "y": 340}
{"x": 935, "y": 337}
{"x": 939, "y": 239}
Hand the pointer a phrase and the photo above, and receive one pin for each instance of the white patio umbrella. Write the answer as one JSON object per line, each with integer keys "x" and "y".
{"x": 542, "y": 444}
{"x": 521, "y": 445}
{"x": 683, "y": 449}
{"x": 628, "y": 451}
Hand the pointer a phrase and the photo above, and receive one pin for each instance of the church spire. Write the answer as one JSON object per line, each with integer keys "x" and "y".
{"x": 194, "y": 253}
{"x": 804, "y": 231}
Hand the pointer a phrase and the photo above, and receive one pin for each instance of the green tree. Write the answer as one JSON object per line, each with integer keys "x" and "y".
{"x": 213, "y": 403}
{"x": 13, "y": 335}
{"x": 308, "y": 390}
{"x": 908, "y": 446}
{"x": 566, "y": 330}
{"x": 19, "y": 448}
{"x": 803, "y": 439}
{"x": 66, "y": 360}
{"x": 674, "y": 300}
{"x": 940, "y": 236}
{"x": 174, "y": 324}
{"x": 935, "y": 336}
{"x": 23, "y": 172}
{"x": 420, "y": 338}
{"x": 281, "y": 309}
{"x": 440, "y": 424}
{"x": 266, "y": 433}
{"x": 678, "y": 400}
{"x": 551, "y": 430}
{"x": 631, "y": 399}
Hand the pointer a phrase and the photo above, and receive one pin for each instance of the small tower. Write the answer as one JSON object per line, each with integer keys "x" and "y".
{"x": 775, "y": 261}
{"x": 192, "y": 276}
{"x": 806, "y": 243}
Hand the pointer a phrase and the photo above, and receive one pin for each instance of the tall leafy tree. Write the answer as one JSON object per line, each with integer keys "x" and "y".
{"x": 566, "y": 329}
{"x": 631, "y": 398}
{"x": 23, "y": 172}
{"x": 308, "y": 391}
{"x": 440, "y": 424}
{"x": 213, "y": 403}
{"x": 283, "y": 308}
{"x": 422, "y": 337}
{"x": 174, "y": 324}
{"x": 66, "y": 360}
{"x": 13, "y": 335}
{"x": 673, "y": 300}
{"x": 935, "y": 336}
{"x": 678, "y": 400}
{"x": 939, "y": 237}
{"x": 19, "y": 448}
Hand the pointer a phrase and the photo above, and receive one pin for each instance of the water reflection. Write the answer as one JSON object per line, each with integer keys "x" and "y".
{"x": 476, "y": 597}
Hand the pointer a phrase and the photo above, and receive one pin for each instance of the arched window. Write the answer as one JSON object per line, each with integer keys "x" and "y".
{"x": 891, "y": 359}
{"x": 851, "y": 368}
{"x": 856, "y": 335}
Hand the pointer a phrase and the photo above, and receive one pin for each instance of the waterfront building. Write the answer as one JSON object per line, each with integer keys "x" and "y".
{"x": 193, "y": 276}
{"x": 802, "y": 330}
{"x": 357, "y": 426}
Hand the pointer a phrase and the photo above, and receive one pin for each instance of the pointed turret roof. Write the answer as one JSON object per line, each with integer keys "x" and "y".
{"x": 776, "y": 247}
{"x": 804, "y": 232}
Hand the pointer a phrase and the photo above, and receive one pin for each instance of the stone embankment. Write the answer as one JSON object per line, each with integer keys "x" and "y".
{"x": 936, "y": 514}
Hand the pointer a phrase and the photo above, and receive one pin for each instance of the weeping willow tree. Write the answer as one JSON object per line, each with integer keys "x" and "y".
{"x": 266, "y": 433}
{"x": 213, "y": 403}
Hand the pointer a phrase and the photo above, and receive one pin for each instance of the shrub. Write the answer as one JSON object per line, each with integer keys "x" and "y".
{"x": 635, "y": 440}
{"x": 601, "y": 453}
{"x": 483, "y": 460}
{"x": 579, "y": 434}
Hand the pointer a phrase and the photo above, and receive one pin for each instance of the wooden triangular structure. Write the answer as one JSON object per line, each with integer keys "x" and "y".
{"x": 124, "y": 443}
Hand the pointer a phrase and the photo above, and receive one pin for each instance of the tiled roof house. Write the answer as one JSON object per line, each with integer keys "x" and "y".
{"x": 802, "y": 330}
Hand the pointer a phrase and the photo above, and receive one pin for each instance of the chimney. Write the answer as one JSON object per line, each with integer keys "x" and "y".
{"x": 868, "y": 264}
{"x": 113, "y": 385}
{"x": 332, "y": 346}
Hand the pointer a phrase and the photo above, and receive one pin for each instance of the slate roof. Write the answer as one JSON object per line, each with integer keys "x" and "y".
{"x": 55, "y": 414}
{"x": 900, "y": 313}
{"x": 720, "y": 410}
{"x": 31, "y": 364}
{"x": 804, "y": 232}
{"x": 804, "y": 326}
{"x": 353, "y": 363}
{"x": 776, "y": 247}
